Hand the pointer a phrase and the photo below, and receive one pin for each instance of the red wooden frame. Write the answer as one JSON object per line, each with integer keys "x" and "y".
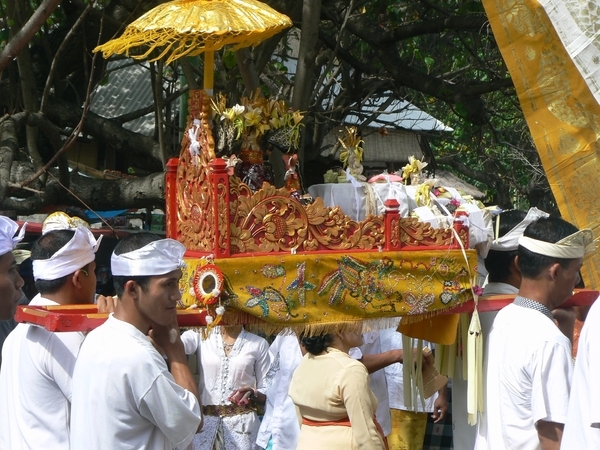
{"x": 86, "y": 317}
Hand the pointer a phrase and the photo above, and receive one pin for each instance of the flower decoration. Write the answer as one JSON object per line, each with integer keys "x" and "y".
{"x": 256, "y": 116}
{"x": 423, "y": 193}
{"x": 352, "y": 154}
{"x": 414, "y": 167}
{"x": 208, "y": 283}
{"x": 452, "y": 205}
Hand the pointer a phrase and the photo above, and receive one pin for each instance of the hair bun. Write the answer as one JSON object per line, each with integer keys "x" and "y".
{"x": 316, "y": 345}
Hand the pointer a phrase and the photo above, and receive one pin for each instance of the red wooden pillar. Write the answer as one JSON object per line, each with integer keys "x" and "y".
{"x": 171, "y": 198}
{"x": 392, "y": 225}
{"x": 461, "y": 227}
{"x": 219, "y": 182}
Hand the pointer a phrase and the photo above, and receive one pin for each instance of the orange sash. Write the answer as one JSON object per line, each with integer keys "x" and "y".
{"x": 345, "y": 422}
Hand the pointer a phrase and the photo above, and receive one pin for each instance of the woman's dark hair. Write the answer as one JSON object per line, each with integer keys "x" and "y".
{"x": 547, "y": 229}
{"x": 316, "y": 345}
{"x": 497, "y": 262}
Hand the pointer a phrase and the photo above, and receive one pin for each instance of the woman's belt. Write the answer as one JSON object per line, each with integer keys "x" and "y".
{"x": 227, "y": 410}
{"x": 345, "y": 422}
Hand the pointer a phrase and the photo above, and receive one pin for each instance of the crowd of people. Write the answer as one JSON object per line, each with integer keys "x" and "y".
{"x": 128, "y": 385}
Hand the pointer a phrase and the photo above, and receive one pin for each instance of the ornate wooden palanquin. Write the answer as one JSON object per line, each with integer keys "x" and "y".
{"x": 288, "y": 263}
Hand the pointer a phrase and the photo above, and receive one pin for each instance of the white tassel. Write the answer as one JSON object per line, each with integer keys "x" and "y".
{"x": 474, "y": 370}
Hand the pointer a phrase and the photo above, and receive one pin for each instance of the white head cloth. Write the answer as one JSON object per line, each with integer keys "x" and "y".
{"x": 156, "y": 258}
{"x": 62, "y": 221}
{"x": 8, "y": 240}
{"x": 75, "y": 254}
{"x": 573, "y": 246}
{"x": 510, "y": 241}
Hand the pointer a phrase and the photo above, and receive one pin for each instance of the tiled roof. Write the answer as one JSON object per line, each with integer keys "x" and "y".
{"x": 394, "y": 113}
{"x": 127, "y": 89}
{"x": 396, "y": 146}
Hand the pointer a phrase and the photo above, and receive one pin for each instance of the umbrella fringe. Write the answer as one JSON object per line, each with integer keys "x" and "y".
{"x": 170, "y": 42}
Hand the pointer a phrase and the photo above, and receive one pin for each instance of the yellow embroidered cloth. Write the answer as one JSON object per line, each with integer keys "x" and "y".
{"x": 561, "y": 112}
{"x": 320, "y": 289}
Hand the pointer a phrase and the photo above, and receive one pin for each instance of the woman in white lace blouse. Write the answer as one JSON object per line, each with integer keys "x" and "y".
{"x": 231, "y": 362}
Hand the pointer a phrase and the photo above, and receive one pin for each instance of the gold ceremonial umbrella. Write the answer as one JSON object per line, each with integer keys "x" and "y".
{"x": 190, "y": 27}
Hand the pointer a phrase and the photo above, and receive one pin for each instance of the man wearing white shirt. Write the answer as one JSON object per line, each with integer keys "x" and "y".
{"x": 582, "y": 428}
{"x": 504, "y": 278}
{"x": 37, "y": 365}
{"x": 279, "y": 429}
{"x": 529, "y": 368}
{"x": 10, "y": 280}
{"x": 407, "y": 427}
{"x": 124, "y": 393}
{"x": 377, "y": 381}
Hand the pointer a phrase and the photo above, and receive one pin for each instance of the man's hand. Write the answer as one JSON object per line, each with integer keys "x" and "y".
{"x": 167, "y": 338}
{"x": 106, "y": 304}
{"x": 245, "y": 395}
{"x": 440, "y": 406}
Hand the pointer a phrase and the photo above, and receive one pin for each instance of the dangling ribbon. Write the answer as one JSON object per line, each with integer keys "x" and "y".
{"x": 358, "y": 187}
{"x": 231, "y": 162}
{"x": 193, "y": 137}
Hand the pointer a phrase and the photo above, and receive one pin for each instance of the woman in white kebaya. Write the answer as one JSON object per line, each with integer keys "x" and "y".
{"x": 232, "y": 364}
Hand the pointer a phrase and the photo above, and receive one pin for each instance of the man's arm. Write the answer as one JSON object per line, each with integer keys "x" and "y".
{"x": 169, "y": 340}
{"x": 550, "y": 434}
{"x": 378, "y": 361}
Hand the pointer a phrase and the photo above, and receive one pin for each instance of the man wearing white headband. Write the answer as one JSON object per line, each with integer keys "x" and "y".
{"x": 529, "y": 367}
{"x": 37, "y": 365}
{"x": 10, "y": 281}
{"x": 503, "y": 278}
{"x": 135, "y": 399}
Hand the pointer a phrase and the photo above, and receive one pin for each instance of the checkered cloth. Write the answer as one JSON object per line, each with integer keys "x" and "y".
{"x": 438, "y": 436}
{"x": 532, "y": 304}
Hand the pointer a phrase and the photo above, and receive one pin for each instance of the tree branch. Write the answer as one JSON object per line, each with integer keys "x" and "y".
{"x": 478, "y": 175}
{"x": 59, "y": 52}
{"x": 9, "y": 146}
{"x": 141, "y": 148}
{"x": 128, "y": 117}
{"x": 26, "y": 33}
{"x": 363, "y": 26}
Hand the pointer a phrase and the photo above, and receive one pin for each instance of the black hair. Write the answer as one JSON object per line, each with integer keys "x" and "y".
{"x": 497, "y": 262}
{"x": 129, "y": 244}
{"x": 44, "y": 248}
{"x": 317, "y": 344}
{"x": 547, "y": 229}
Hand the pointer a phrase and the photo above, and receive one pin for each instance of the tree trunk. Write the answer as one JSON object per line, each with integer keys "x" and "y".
{"x": 303, "y": 84}
{"x": 125, "y": 193}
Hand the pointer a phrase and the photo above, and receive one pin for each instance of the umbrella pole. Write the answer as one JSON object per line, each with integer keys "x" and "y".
{"x": 209, "y": 72}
